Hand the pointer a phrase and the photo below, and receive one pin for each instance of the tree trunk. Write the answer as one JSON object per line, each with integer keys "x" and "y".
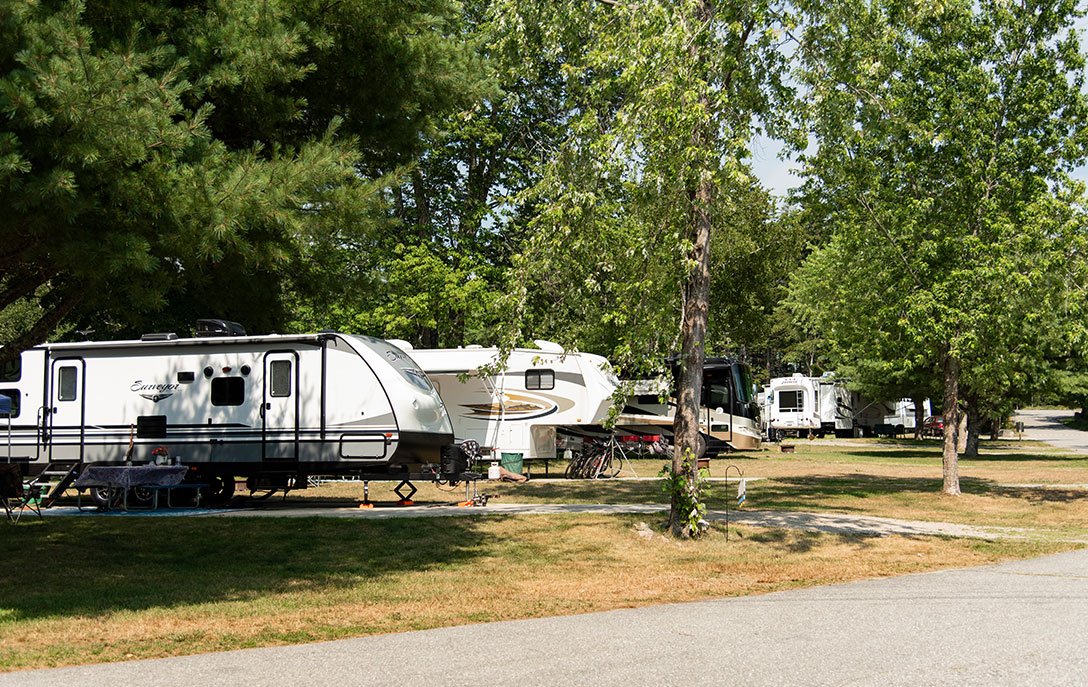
{"x": 423, "y": 206}
{"x": 995, "y": 428}
{"x": 950, "y": 460}
{"x": 696, "y": 313}
{"x": 971, "y": 448}
{"x": 692, "y": 353}
{"x": 961, "y": 432}
{"x": 919, "y": 416}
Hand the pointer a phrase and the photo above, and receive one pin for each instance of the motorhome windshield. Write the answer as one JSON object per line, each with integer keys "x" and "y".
{"x": 742, "y": 382}
{"x": 716, "y": 391}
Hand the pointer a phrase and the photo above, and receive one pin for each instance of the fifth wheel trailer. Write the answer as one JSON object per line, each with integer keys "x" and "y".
{"x": 805, "y": 405}
{"x": 518, "y": 406}
{"x": 274, "y": 409}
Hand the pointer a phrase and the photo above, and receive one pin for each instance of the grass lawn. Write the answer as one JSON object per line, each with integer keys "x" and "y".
{"x": 89, "y": 590}
{"x": 86, "y": 590}
{"x": 1075, "y": 423}
{"x": 896, "y": 479}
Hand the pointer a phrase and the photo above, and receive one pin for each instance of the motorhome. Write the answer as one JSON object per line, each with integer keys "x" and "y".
{"x": 517, "y": 405}
{"x": 728, "y": 411}
{"x": 274, "y": 409}
{"x": 807, "y": 406}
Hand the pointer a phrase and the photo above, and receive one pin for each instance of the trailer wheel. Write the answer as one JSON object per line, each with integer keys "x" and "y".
{"x": 106, "y": 497}
{"x": 141, "y": 497}
{"x": 220, "y": 489}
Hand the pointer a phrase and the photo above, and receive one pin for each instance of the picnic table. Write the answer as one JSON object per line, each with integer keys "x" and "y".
{"x": 127, "y": 477}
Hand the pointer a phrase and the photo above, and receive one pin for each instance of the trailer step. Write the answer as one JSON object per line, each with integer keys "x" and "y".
{"x": 65, "y": 471}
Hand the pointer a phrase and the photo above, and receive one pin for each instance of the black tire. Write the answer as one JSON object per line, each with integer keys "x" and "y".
{"x": 220, "y": 489}
{"x": 572, "y": 470}
{"x": 616, "y": 466}
{"x": 106, "y": 497}
{"x": 141, "y": 497}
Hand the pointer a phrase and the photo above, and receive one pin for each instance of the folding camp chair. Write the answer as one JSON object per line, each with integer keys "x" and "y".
{"x": 15, "y": 496}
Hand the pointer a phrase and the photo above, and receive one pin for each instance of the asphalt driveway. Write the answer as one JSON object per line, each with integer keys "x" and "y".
{"x": 1045, "y": 425}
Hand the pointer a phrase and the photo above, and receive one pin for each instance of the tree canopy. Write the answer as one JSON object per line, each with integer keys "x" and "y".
{"x": 195, "y": 156}
{"x": 945, "y": 131}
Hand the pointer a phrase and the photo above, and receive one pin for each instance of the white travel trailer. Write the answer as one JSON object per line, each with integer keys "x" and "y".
{"x": 904, "y": 416}
{"x": 728, "y": 412}
{"x": 809, "y": 405}
{"x": 274, "y": 409}
{"x": 518, "y": 408}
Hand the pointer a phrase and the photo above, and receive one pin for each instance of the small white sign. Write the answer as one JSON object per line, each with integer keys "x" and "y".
{"x": 742, "y": 489}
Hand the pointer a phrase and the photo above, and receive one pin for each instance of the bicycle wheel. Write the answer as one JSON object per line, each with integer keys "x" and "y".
{"x": 615, "y": 463}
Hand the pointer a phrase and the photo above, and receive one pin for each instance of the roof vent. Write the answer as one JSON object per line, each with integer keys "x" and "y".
{"x": 159, "y": 336}
{"x": 219, "y": 328}
{"x": 549, "y": 346}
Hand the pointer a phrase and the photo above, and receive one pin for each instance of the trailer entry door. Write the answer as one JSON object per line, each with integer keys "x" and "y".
{"x": 281, "y": 406}
{"x": 66, "y": 408}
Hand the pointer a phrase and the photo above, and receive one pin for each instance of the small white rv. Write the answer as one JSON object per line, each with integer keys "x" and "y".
{"x": 904, "y": 416}
{"x": 809, "y": 406}
{"x": 728, "y": 413}
{"x": 274, "y": 409}
{"x": 517, "y": 407}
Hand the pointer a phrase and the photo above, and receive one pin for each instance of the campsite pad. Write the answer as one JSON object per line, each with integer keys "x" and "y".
{"x": 157, "y": 513}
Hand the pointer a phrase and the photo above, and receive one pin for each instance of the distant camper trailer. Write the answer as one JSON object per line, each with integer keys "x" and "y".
{"x": 274, "y": 409}
{"x": 519, "y": 407}
{"x": 904, "y": 417}
{"x": 809, "y": 406}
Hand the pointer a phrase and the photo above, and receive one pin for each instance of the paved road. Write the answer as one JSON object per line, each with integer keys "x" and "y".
{"x": 1022, "y": 623}
{"x": 1044, "y": 425}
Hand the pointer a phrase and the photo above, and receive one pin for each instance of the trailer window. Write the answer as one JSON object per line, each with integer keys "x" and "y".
{"x": 228, "y": 391}
{"x": 14, "y": 395}
{"x": 66, "y": 383}
{"x": 540, "y": 379}
{"x": 791, "y": 401}
{"x": 280, "y": 384}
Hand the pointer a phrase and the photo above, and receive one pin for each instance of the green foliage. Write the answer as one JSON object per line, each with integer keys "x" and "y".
{"x": 687, "y": 488}
{"x": 945, "y": 135}
{"x": 200, "y": 157}
{"x": 656, "y": 106}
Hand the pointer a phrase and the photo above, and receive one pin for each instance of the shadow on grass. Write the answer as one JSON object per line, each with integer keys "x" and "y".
{"x": 796, "y": 541}
{"x": 579, "y": 491}
{"x": 818, "y": 491}
{"x": 1077, "y": 423}
{"x": 95, "y": 566}
{"x": 934, "y": 456}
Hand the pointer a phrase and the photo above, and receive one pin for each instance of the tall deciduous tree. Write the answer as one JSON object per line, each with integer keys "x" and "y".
{"x": 943, "y": 128}
{"x": 667, "y": 97}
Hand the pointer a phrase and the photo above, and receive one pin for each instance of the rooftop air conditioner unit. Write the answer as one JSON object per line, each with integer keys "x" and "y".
{"x": 219, "y": 328}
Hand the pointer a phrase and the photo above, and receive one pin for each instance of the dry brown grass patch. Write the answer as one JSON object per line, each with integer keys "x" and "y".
{"x": 518, "y": 568}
